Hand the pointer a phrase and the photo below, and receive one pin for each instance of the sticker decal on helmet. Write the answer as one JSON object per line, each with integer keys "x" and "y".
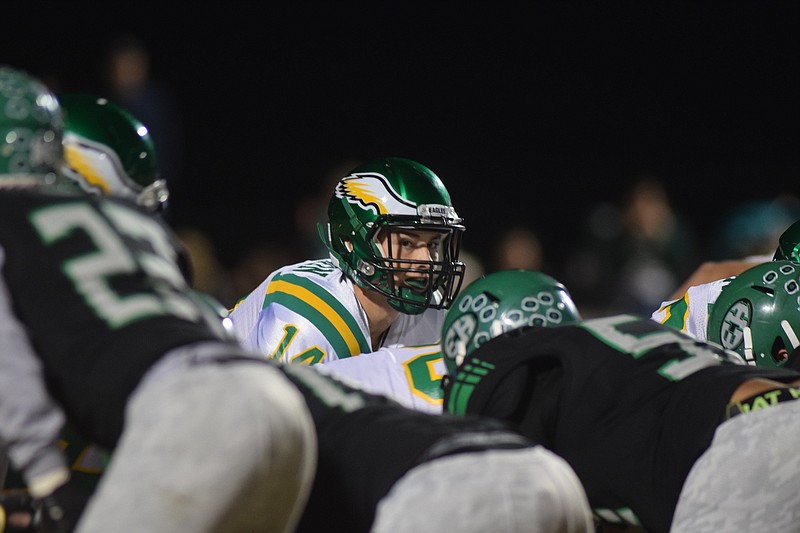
{"x": 372, "y": 191}
{"x": 734, "y": 323}
{"x": 500, "y": 302}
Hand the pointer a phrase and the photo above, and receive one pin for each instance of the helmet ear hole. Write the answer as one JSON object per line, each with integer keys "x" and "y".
{"x": 779, "y": 351}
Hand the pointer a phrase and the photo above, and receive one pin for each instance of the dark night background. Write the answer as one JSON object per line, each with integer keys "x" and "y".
{"x": 530, "y": 113}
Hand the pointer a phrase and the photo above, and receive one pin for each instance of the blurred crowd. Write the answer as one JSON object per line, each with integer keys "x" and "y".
{"x": 628, "y": 255}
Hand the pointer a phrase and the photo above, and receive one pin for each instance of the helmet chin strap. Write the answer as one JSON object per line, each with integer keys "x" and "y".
{"x": 748, "y": 347}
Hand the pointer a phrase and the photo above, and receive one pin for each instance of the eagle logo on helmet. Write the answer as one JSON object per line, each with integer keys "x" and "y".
{"x": 372, "y": 191}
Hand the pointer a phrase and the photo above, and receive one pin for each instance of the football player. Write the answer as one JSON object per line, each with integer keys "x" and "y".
{"x": 754, "y": 314}
{"x": 384, "y": 468}
{"x": 133, "y": 360}
{"x": 107, "y": 152}
{"x": 134, "y": 342}
{"x": 665, "y": 432}
{"x": 394, "y": 240}
{"x": 412, "y": 375}
{"x": 743, "y": 313}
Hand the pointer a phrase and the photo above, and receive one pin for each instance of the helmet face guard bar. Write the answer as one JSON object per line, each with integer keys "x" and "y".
{"x": 436, "y": 282}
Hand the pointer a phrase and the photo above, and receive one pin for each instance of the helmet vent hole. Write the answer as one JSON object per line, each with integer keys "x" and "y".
{"x": 769, "y": 291}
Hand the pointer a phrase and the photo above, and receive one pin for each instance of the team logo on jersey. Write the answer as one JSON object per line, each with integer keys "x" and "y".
{"x": 736, "y": 319}
{"x": 372, "y": 191}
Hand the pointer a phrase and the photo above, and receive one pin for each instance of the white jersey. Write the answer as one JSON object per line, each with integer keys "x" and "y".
{"x": 410, "y": 375}
{"x": 308, "y": 313}
{"x": 690, "y": 313}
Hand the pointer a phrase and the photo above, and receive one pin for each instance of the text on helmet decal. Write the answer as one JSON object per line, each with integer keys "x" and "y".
{"x": 433, "y": 213}
{"x": 736, "y": 319}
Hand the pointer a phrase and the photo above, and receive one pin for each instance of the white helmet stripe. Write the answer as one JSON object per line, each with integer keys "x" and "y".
{"x": 748, "y": 347}
{"x": 787, "y": 328}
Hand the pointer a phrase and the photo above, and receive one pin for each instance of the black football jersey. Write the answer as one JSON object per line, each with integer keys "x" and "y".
{"x": 97, "y": 285}
{"x": 629, "y": 403}
{"x": 368, "y": 442}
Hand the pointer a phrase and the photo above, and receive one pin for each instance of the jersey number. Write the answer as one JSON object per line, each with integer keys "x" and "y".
{"x": 423, "y": 378}
{"x": 92, "y": 271}
{"x": 697, "y": 356}
{"x": 312, "y": 356}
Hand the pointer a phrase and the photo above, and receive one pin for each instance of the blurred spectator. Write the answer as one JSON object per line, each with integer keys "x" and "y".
{"x": 634, "y": 255}
{"x": 753, "y": 227}
{"x": 518, "y": 247}
{"x": 748, "y": 236}
{"x": 130, "y": 83}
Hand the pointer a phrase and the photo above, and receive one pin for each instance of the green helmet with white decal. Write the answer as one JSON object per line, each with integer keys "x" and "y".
{"x": 31, "y": 126}
{"x": 757, "y": 314}
{"x": 380, "y": 202}
{"x": 108, "y": 151}
{"x": 500, "y": 302}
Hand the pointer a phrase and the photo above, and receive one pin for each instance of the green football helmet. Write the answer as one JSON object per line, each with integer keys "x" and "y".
{"x": 107, "y": 151}
{"x": 757, "y": 314}
{"x": 390, "y": 195}
{"x": 31, "y": 127}
{"x": 499, "y": 302}
{"x": 789, "y": 244}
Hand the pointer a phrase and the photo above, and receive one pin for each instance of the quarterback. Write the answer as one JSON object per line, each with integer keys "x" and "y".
{"x": 394, "y": 240}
